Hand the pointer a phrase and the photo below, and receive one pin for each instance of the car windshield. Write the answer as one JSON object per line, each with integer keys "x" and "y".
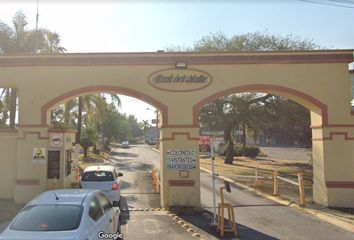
{"x": 48, "y": 218}
{"x": 98, "y": 176}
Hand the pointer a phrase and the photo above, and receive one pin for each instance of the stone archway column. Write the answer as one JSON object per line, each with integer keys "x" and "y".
{"x": 333, "y": 166}
{"x": 180, "y": 176}
{"x": 31, "y": 175}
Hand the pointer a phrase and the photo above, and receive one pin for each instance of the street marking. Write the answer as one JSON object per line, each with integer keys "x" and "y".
{"x": 197, "y": 235}
{"x": 185, "y": 225}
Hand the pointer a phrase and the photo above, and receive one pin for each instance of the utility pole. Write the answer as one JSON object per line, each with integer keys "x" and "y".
{"x": 37, "y": 16}
{"x": 157, "y": 129}
{"x": 36, "y": 36}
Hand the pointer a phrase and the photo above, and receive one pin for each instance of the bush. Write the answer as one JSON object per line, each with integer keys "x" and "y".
{"x": 238, "y": 150}
{"x": 251, "y": 151}
{"x": 222, "y": 149}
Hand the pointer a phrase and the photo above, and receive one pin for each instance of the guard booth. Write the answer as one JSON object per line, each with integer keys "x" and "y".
{"x": 60, "y": 170}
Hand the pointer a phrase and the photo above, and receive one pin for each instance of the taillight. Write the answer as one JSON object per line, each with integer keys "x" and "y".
{"x": 115, "y": 186}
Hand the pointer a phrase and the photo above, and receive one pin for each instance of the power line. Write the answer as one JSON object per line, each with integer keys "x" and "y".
{"x": 330, "y": 4}
{"x": 342, "y": 1}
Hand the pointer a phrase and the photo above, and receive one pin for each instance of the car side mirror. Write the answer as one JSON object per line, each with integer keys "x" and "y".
{"x": 115, "y": 203}
{"x": 120, "y": 174}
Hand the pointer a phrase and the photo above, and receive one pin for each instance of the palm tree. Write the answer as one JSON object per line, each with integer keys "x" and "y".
{"x": 20, "y": 40}
{"x": 94, "y": 106}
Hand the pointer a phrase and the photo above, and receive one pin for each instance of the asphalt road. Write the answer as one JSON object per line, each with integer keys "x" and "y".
{"x": 137, "y": 193}
{"x": 257, "y": 217}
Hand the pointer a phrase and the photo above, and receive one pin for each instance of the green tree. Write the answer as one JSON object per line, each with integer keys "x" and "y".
{"x": 231, "y": 112}
{"x": 18, "y": 39}
{"x": 136, "y": 130}
{"x": 112, "y": 124}
{"x": 241, "y": 110}
{"x": 94, "y": 106}
{"x": 251, "y": 41}
{"x": 89, "y": 138}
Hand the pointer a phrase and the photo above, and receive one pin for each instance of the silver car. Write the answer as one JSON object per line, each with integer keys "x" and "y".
{"x": 66, "y": 214}
{"x": 104, "y": 178}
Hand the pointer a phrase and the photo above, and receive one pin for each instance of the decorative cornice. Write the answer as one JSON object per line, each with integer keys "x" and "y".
{"x": 33, "y": 133}
{"x": 170, "y": 58}
{"x": 331, "y": 134}
{"x": 181, "y": 183}
{"x": 337, "y": 184}
{"x": 174, "y": 134}
{"x": 25, "y": 181}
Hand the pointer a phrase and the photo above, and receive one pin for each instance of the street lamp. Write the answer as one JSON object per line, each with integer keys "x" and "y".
{"x": 157, "y": 126}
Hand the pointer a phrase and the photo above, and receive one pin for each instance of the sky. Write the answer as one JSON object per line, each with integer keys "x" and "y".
{"x": 151, "y": 25}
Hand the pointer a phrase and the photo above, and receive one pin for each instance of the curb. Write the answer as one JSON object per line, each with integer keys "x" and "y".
{"x": 154, "y": 149}
{"x": 325, "y": 217}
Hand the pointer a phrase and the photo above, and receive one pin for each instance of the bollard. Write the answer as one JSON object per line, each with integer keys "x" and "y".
{"x": 276, "y": 184}
{"x": 301, "y": 189}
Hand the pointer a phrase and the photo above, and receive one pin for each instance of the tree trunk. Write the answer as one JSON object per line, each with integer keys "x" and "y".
{"x": 85, "y": 152}
{"x": 230, "y": 146}
{"x": 79, "y": 120}
{"x": 243, "y": 137}
{"x": 13, "y": 98}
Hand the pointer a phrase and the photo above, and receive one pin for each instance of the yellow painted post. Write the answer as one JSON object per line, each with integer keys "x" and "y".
{"x": 276, "y": 184}
{"x": 255, "y": 184}
{"x": 301, "y": 189}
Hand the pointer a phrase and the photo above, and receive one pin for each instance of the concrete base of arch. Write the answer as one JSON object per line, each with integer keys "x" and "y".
{"x": 180, "y": 187}
{"x": 333, "y": 166}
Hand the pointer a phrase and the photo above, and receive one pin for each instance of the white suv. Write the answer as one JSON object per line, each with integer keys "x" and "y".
{"x": 104, "y": 178}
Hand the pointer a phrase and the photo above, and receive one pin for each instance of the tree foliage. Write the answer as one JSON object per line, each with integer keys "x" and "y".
{"x": 251, "y": 41}
{"x": 254, "y": 112}
{"x": 100, "y": 116}
{"x": 19, "y": 39}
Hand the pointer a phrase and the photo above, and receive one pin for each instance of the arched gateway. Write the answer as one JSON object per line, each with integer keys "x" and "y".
{"x": 179, "y": 84}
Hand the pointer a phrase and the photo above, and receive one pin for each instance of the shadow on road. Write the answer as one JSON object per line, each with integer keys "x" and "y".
{"x": 132, "y": 166}
{"x": 124, "y": 154}
{"x": 125, "y": 213}
{"x": 202, "y": 221}
{"x": 124, "y": 184}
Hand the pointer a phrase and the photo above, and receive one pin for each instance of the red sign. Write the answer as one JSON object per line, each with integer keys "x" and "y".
{"x": 204, "y": 140}
{"x": 204, "y": 143}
